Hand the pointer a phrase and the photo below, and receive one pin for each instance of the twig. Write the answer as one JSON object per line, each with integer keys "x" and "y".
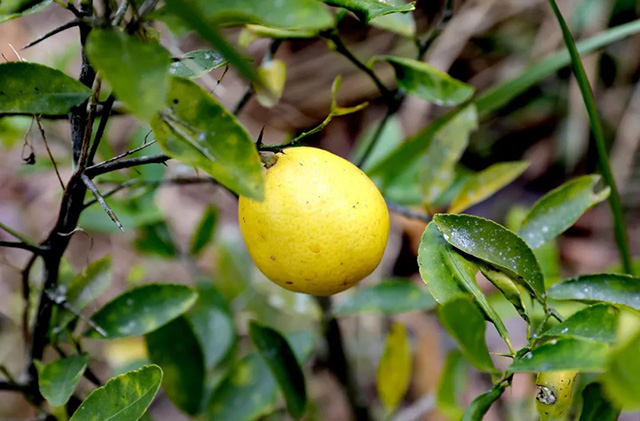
{"x": 621, "y": 235}
{"x": 120, "y": 12}
{"x": 25, "y": 296}
{"x": 20, "y": 245}
{"x": 376, "y": 137}
{"x": 88, "y": 127}
{"x": 8, "y": 386}
{"x": 51, "y": 33}
{"x": 46, "y": 145}
{"x": 96, "y": 193}
{"x": 445, "y": 17}
{"x": 17, "y": 235}
{"x": 401, "y": 210}
{"x": 99, "y": 169}
{"x": 106, "y": 112}
{"x": 127, "y": 153}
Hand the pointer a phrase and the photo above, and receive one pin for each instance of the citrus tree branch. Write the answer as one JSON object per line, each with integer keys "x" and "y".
{"x": 99, "y": 169}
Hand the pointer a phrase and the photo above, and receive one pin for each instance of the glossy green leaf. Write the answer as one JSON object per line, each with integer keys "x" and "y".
{"x": 494, "y": 244}
{"x": 563, "y": 354}
{"x": 464, "y": 322}
{"x": 508, "y": 288}
{"x": 394, "y": 370}
{"x": 85, "y": 288}
{"x": 138, "y": 71}
{"x": 443, "y": 153}
{"x": 248, "y": 392}
{"x": 400, "y": 23}
{"x": 29, "y": 88}
{"x": 124, "y": 398}
{"x": 481, "y": 404}
{"x": 286, "y": 14}
{"x": 485, "y": 183}
{"x": 273, "y": 75}
{"x": 426, "y": 82}
{"x": 370, "y": 9}
{"x": 213, "y": 324}
{"x": 197, "y": 63}
{"x": 191, "y": 14}
{"x": 389, "y": 297}
{"x": 620, "y": 381}
{"x": 201, "y": 132}
{"x": 58, "y": 379}
{"x": 143, "y": 310}
{"x": 594, "y": 405}
{"x": 560, "y": 208}
{"x": 204, "y": 231}
{"x": 282, "y": 362}
{"x": 437, "y": 276}
{"x": 453, "y": 382}
{"x": 608, "y": 288}
{"x": 598, "y": 322}
{"x": 18, "y": 8}
{"x": 175, "y": 348}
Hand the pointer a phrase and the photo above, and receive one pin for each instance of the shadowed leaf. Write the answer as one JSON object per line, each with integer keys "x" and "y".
{"x": 58, "y": 379}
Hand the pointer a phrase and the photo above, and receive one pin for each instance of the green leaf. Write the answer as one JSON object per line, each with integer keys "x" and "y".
{"x": 138, "y": 71}
{"x": 370, "y": 9}
{"x": 485, "y": 183}
{"x": 156, "y": 239}
{"x": 595, "y": 407}
{"x": 124, "y": 398}
{"x": 143, "y": 310}
{"x": 400, "y": 23}
{"x": 559, "y": 209}
{"x": 204, "y": 232}
{"x": 426, "y": 82}
{"x": 451, "y": 386}
{"x": 251, "y": 33}
{"x": 213, "y": 324}
{"x": 464, "y": 322}
{"x": 175, "y": 348}
{"x": 390, "y": 297}
{"x": 29, "y": 88}
{"x": 18, "y": 8}
{"x": 507, "y": 287}
{"x": 620, "y": 381}
{"x": 437, "y": 276}
{"x": 282, "y": 362}
{"x": 598, "y": 322}
{"x": 197, "y": 63}
{"x": 388, "y": 140}
{"x": 608, "y": 288}
{"x": 481, "y": 404}
{"x": 443, "y": 153}
{"x": 285, "y": 14}
{"x": 248, "y": 392}
{"x": 85, "y": 288}
{"x": 201, "y": 132}
{"x": 394, "y": 369}
{"x": 58, "y": 379}
{"x": 494, "y": 244}
{"x": 191, "y": 14}
{"x": 563, "y": 354}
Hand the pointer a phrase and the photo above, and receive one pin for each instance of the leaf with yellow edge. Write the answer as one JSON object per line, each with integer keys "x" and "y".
{"x": 394, "y": 369}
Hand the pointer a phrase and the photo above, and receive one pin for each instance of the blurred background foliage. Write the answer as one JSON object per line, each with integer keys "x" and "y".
{"x": 184, "y": 230}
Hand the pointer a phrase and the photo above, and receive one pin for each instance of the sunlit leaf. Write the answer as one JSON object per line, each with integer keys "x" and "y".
{"x": 175, "y": 348}
{"x": 485, "y": 183}
{"x": 494, "y": 244}
{"x": 464, "y": 322}
{"x": 560, "y": 208}
{"x": 142, "y": 310}
{"x": 608, "y": 288}
{"x": 201, "y": 132}
{"x": 273, "y": 75}
{"x": 138, "y": 71}
{"x": 58, "y": 379}
{"x": 282, "y": 362}
{"x": 400, "y": 23}
{"x": 197, "y": 63}
{"x": 370, "y": 9}
{"x": 394, "y": 369}
{"x": 452, "y": 384}
{"x": 426, "y": 82}
{"x": 564, "y": 354}
{"x": 29, "y": 88}
{"x": 598, "y": 322}
{"x": 125, "y": 397}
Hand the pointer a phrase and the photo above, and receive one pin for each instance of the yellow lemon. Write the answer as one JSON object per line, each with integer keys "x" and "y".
{"x": 554, "y": 394}
{"x": 322, "y": 227}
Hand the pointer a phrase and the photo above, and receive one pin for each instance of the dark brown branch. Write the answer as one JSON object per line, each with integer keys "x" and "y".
{"x": 51, "y": 33}
{"x": 127, "y": 153}
{"x": 21, "y": 245}
{"x": 96, "y": 193}
{"x": 106, "y": 111}
{"x": 99, "y": 169}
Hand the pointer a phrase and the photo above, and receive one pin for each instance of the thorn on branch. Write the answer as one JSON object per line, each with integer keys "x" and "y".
{"x": 99, "y": 169}
{"x": 51, "y": 33}
{"x": 94, "y": 190}
{"x": 46, "y": 145}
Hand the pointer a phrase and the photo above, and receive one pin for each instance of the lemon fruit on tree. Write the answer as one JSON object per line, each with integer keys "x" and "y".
{"x": 322, "y": 227}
